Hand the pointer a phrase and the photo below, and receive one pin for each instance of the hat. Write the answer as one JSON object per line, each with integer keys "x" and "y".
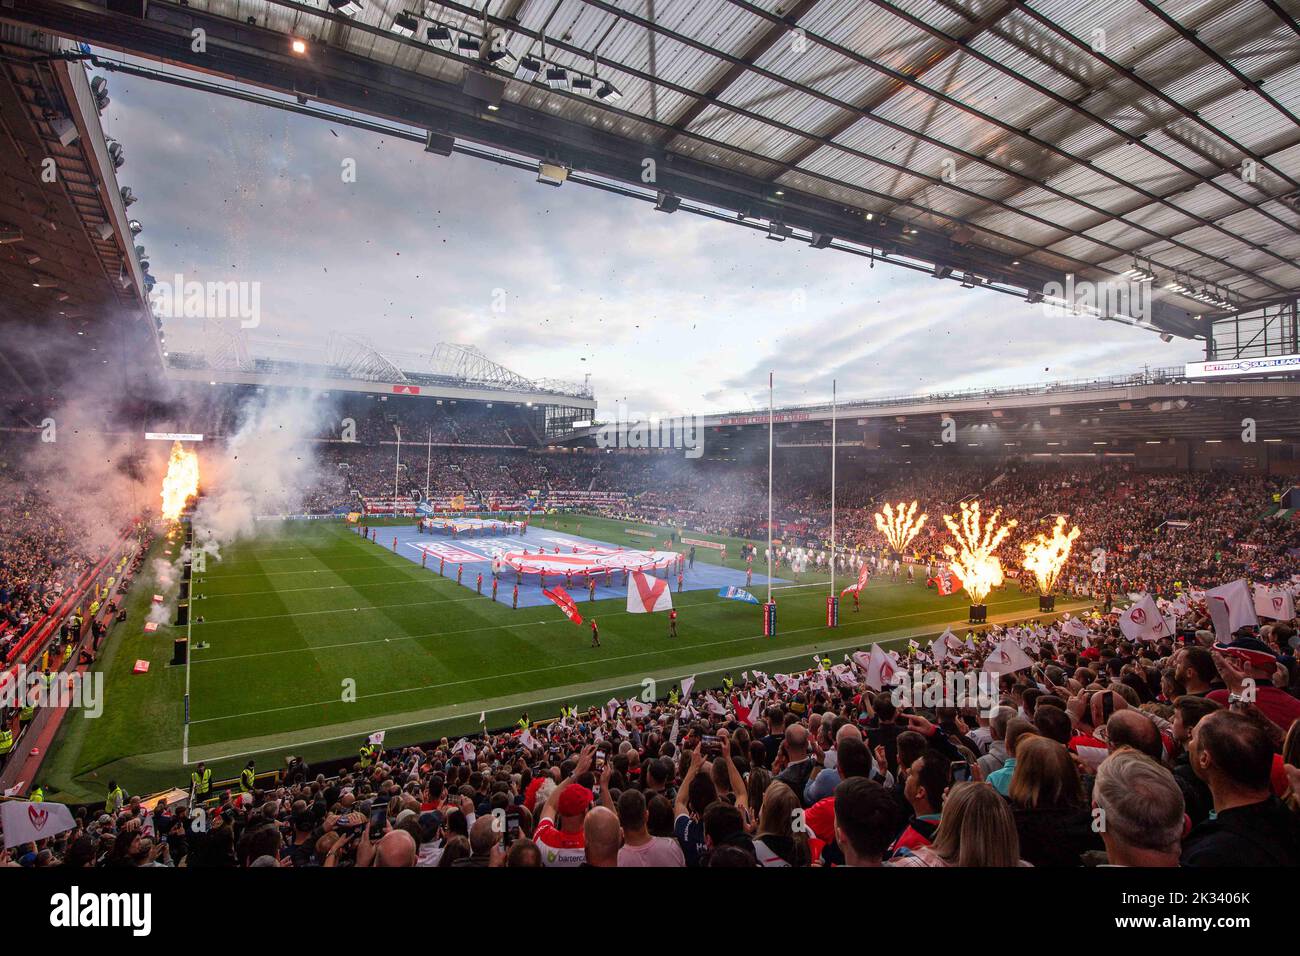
{"x": 1251, "y": 650}
{"x": 407, "y": 814}
{"x": 575, "y": 800}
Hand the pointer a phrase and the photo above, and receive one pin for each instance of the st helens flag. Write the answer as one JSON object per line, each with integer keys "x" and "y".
{"x": 27, "y": 822}
{"x": 1075, "y": 628}
{"x": 646, "y": 594}
{"x": 1144, "y": 622}
{"x": 1007, "y": 657}
{"x": 564, "y": 603}
{"x": 947, "y": 582}
{"x": 1231, "y": 607}
{"x": 864, "y": 575}
{"x": 878, "y": 667}
{"x": 1274, "y": 602}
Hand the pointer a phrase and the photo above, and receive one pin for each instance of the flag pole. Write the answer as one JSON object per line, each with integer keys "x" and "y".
{"x": 834, "y": 450}
{"x": 769, "y": 486}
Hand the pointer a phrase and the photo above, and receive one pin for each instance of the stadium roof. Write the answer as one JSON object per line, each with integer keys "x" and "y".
{"x": 68, "y": 266}
{"x": 1001, "y": 143}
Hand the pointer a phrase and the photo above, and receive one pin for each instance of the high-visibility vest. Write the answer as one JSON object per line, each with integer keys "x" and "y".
{"x": 37, "y": 795}
{"x": 67, "y": 651}
{"x": 116, "y": 797}
{"x": 6, "y": 740}
{"x": 246, "y": 780}
{"x": 728, "y": 683}
{"x": 367, "y": 755}
{"x": 201, "y": 783}
{"x": 522, "y": 722}
{"x": 673, "y": 697}
{"x": 26, "y": 712}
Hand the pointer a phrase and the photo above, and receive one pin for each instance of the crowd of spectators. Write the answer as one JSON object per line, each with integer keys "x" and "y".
{"x": 1095, "y": 751}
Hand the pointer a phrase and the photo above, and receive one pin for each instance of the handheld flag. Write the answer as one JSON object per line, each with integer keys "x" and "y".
{"x": 864, "y": 575}
{"x": 1231, "y": 608}
{"x": 1144, "y": 622}
{"x": 1007, "y": 658}
{"x": 564, "y": 602}
{"x": 646, "y": 594}
{"x": 27, "y": 822}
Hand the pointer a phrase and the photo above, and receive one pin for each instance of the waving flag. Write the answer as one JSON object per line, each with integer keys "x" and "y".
{"x": 737, "y": 594}
{"x": 688, "y": 685}
{"x": 1275, "y": 603}
{"x": 646, "y": 594}
{"x": 1006, "y": 658}
{"x": 1075, "y": 628}
{"x": 26, "y": 822}
{"x": 1231, "y": 608}
{"x": 864, "y": 575}
{"x": 1144, "y": 622}
{"x": 946, "y": 582}
{"x": 564, "y": 603}
{"x": 637, "y": 708}
{"x": 878, "y": 668}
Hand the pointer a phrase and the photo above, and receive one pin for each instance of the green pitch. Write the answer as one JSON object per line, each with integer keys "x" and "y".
{"x": 312, "y": 638}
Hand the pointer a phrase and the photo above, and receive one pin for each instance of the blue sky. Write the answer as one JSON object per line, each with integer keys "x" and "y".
{"x": 666, "y": 313}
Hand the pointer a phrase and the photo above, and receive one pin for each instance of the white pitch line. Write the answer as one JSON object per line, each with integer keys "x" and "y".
{"x": 538, "y": 670}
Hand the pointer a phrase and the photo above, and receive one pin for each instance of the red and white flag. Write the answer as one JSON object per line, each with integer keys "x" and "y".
{"x": 637, "y": 708}
{"x": 646, "y": 594}
{"x": 1007, "y": 657}
{"x": 1144, "y": 622}
{"x": 878, "y": 667}
{"x": 1274, "y": 602}
{"x": 1075, "y": 628}
{"x": 688, "y": 684}
{"x": 564, "y": 603}
{"x": 27, "y": 822}
{"x": 864, "y": 575}
{"x": 947, "y": 582}
{"x": 1231, "y": 608}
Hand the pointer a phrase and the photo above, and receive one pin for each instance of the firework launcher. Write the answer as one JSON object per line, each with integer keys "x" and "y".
{"x": 1047, "y": 603}
{"x": 979, "y": 614}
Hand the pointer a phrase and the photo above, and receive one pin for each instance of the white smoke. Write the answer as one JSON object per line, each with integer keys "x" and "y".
{"x": 261, "y": 470}
{"x": 165, "y": 574}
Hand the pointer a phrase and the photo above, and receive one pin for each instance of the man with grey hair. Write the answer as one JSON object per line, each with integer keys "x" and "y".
{"x": 1139, "y": 810}
{"x": 997, "y": 753}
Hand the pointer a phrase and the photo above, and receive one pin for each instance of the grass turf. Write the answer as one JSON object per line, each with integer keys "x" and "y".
{"x": 312, "y": 638}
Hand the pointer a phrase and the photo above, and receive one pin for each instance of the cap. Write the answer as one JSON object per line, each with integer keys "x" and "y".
{"x": 1249, "y": 649}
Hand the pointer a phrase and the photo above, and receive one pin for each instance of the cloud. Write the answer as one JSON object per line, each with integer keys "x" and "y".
{"x": 669, "y": 313}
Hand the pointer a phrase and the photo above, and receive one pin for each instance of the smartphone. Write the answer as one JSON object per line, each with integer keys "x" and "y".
{"x": 378, "y": 820}
{"x": 600, "y": 758}
{"x": 960, "y": 771}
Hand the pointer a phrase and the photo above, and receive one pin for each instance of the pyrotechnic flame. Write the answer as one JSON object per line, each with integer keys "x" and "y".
{"x": 181, "y": 483}
{"x": 901, "y": 526}
{"x": 974, "y": 561}
{"x": 1045, "y": 557}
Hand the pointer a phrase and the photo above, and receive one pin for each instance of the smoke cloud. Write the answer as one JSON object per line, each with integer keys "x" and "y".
{"x": 261, "y": 470}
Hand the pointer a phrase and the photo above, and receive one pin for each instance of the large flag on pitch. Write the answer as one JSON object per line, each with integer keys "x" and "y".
{"x": 27, "y": 822}
{"x": 1144, "y": 622}
{"x": 1274, "y": 602}
{"x": 1231, "y": 607}
{"x": 947, "y": 582}
{"x": 737, "y": 594}
{"x": 864, "y": 575}
{"x": 646, "y": 594}
{"x": 1007, "y": 657}
{"x": 564, "y": 602}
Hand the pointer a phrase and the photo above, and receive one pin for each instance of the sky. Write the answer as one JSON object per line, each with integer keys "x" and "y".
{"x": 667, "y": 314}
